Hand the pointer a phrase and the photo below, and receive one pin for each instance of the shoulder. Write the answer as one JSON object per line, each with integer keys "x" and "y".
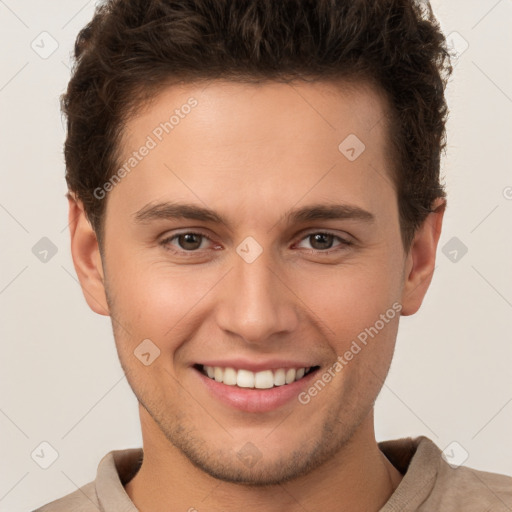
{"x": 107, "y": 491}
{"x": 463, "y": 487}
{"x": 83, "y": 499}
{"x": 431, "y": 483}
{"x": 469, "y": 489}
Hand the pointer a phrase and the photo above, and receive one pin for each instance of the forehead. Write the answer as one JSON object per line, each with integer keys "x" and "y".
{"x": 244, "y": 110}
{"x": 274, "y": 141}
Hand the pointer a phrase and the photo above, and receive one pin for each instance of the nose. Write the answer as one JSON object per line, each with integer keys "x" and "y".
{"x": 256, "y": 303}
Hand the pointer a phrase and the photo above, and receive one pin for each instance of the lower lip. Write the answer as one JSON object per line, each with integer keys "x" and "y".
{"x": 255, "y": 400}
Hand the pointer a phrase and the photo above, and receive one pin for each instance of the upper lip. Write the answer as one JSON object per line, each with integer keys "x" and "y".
{"x": 256, "y": 366}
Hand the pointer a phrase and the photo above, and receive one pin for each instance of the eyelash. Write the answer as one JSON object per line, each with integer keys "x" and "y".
{"x": 182, "y": 252}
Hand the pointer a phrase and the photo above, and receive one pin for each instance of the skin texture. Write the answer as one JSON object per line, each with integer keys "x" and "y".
{"x": 251, "y": 153}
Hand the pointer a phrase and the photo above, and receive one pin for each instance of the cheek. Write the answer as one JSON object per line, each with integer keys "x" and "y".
{"x": 350, "y": 293}
{"x": 157, "y": 300}
{"x": 354, "y": 309}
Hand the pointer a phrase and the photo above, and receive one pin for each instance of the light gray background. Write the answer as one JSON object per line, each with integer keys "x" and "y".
{"x": 61, "y": 380}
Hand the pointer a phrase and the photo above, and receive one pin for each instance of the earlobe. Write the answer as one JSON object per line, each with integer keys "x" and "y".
{"x": 420, "y": 262}
{"x": 86, "y": 257}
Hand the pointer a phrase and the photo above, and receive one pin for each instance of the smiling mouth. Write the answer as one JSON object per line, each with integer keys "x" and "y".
{"x": 265, "y": 379}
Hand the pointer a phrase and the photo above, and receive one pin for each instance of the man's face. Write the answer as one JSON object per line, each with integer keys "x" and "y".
{"x": 260, "y": 291}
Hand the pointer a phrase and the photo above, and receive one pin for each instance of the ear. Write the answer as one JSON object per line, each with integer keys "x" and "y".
{"x": 86, "y": 257}
{"x": 421, "y": 259}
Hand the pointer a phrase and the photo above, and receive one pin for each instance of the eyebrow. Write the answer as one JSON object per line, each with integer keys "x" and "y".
{"x": 172, "y": 210}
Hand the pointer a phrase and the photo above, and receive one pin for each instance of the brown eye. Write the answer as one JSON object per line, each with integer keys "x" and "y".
{"x": 184, "y": 242}
{"x": 189, "y": 241}
{"x": 321, "y": 241}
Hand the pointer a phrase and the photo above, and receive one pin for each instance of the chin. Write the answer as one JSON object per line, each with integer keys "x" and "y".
{"x": 258, "y": 470}
{"x": 262, "y": 462}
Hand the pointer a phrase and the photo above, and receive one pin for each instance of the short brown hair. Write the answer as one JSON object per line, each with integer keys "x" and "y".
{"x": 132, "y": 49}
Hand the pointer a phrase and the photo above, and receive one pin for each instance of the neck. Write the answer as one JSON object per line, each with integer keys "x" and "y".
{"x": 357, "y": 477}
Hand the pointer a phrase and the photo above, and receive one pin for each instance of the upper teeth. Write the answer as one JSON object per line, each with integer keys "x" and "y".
{"x": 260, "y": 380}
